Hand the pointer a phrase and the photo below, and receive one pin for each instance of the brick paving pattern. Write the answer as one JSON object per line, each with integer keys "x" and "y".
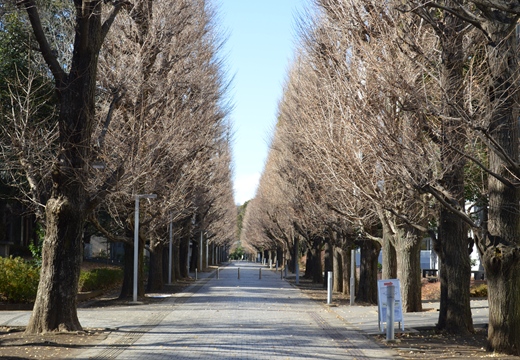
{"x": 231, "y": 318}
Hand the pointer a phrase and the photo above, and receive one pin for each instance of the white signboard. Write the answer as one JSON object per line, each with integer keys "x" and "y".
{"x": 382, "y": 296}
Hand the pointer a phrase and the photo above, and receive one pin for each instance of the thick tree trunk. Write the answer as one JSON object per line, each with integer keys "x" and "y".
{"x": 455, "y": 273}
{"x": 317, "y": 268}
{"x": 409, "y": 270}
{"x": 346, "y": 264}
{"x": 128, "y": 271}
{"x": 327, "y": 260}
{"x": 166, "y": 264}
{"x": 309, "y": 264}
{"x": 55, "y": 306}
{"x": 184, "y": 248}
{"x": 290, "y": 259}
{"x": 155, "y": 274}
{"x": 338, "y": 269}
{"x": 194, "y": 260}
{"x": 389, "y": 266}
{"x": 500, "y": 247}
{"x": 367, "y": 291}
{"x": 176, "y": 262}
{"x": 455, "y": 310}
{"x": 68, "y": 206}
{"x": 295, "y": 255}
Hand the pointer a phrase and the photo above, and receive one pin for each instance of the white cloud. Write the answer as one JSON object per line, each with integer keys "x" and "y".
{"x": 245, "y": 187}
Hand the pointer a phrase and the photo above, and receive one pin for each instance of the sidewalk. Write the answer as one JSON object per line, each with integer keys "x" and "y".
{"x": 365, "y": 318}
{"x": 226, "y": 318}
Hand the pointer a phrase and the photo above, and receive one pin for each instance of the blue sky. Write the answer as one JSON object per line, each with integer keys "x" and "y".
{"x": 261, "y": 44}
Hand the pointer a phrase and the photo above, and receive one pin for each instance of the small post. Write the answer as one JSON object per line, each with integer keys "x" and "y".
{"x": 238, "y": 273}
{"x": 390, "y": 302}
{"x": 260, "y": 274}
{"x": 352, "y": 277}
{"x": 276, "y": 265}
{"x": 218, "y": 273}
{"x": 196, "y": 275}
{"x": 329, "y": 287}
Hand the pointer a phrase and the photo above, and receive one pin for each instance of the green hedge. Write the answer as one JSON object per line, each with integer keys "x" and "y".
{"x": 98, "y": 279}
{"x": 18, "y": 280}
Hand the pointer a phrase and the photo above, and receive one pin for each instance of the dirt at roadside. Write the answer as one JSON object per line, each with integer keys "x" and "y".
{"x": 424, "y": 344}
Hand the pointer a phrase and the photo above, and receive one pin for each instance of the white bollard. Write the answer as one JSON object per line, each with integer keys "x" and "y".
{"x": 196, "y": 276}
{"x": 218, "y": 273}
{"x": 329, "y": 287}
{"x": 390, "y": 302}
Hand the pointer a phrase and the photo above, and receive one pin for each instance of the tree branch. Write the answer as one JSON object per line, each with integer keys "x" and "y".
{"x": 45, "y": 48}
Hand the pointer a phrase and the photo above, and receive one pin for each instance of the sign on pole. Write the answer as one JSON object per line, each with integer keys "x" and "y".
{"x": 382, "y": 306}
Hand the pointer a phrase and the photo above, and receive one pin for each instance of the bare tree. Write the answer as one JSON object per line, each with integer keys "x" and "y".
{"x": 68, "y": 203}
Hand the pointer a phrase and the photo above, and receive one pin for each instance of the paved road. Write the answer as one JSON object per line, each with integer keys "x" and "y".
{"x": 231, "y": 318}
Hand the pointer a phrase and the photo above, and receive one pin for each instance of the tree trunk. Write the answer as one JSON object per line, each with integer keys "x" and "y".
{"x": 389, "y": 266}
{"x": 367, "y": 291}
{"x": 346, "y": 265}
{"x": 327, "y": 260}
{"x": 176, "y": 262}
{"x": 194, "y": 255}
{"x": 409, "y": 269}
{"x": 317, "y": 269}
{"x": 184, "y": 248}
{"x": 55, "y": 305}
{"x": 155, "y": 275}
{"x": 500, "y": 247}
{"x": 68, "y": 206}
{"x": 309, "y": 264}
{"x": 338, "y": 269}
{"x": 128, "y": 271}
{"x": 455, "y": 310}
{"x": 166, "y": 263}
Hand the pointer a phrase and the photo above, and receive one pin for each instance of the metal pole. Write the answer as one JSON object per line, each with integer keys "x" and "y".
{"x": 329, "y": 287}
{"x": 352, "y": 276}
{"x": 196, "y": 274}
{"x": 238, "y": 273}
{"x": 136, "y": 246}
{"x": 260, "y": 274}
{"x": 218, "y": 273}
{"x": 390, "y": 302}
{"x": 170, "y": 251}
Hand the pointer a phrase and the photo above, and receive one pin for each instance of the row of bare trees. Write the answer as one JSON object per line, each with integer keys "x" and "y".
{"x": 399, "y": 120}
{"x": 140, "y": 108}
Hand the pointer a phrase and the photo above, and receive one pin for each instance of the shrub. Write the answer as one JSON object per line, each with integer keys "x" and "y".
{"x": 478, "y": 290}
{"x": 98, "y": 279}
{"x": 18, "y": 280}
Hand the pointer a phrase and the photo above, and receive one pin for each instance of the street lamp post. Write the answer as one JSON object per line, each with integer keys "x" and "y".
{"x": 136, "y": 238}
